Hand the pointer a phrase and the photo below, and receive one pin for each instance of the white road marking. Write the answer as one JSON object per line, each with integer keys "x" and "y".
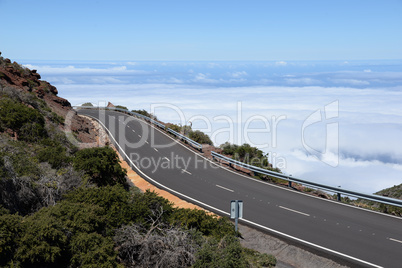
{"x": 227, "y": 189}
{"x": 395, "y": 240}
{"x": 133, "y": 130}
{"x": 156, "y": 149}
{"x": 166, "y": 158}
{"x": 186, "y": 171}
{"x": 139, "y": 136}
{"x": 295, "y": 211}
{"x": 146, "y": 142}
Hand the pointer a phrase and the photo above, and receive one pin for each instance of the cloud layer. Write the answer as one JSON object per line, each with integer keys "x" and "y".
{"x": 273, "y": 98}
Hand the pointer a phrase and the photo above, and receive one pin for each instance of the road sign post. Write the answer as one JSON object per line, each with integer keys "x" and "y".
{"x": 236, "y": 211}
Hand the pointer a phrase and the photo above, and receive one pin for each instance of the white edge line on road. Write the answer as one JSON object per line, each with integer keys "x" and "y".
{"x": 395, "y": 240}
{"x": 227, "y": 189}
{"x": 295, "y": 211}
{"x": 226, "y": 213}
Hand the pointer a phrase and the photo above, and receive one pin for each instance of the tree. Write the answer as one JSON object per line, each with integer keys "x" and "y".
{"x": 102, "y": 165}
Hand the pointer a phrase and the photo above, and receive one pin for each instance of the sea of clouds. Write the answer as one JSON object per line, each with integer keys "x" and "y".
{"x": 333, "y": 122}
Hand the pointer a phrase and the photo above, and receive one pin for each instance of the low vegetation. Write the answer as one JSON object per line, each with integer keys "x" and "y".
{"x": 251, "y": 156}
{"x": 195, "y": 135}
{"x": 392, "y": 192}
{"x": 145, "y": 113}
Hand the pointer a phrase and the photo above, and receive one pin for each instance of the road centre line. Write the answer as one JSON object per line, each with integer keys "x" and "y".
{"x": 395, "y": 240}
{"x": 183, "y": 170}
{"x": 166, "y": 158}
{"x": 295, "y": 211}
{"x": 156, "y": 149}
{"x": 227, "y": 189}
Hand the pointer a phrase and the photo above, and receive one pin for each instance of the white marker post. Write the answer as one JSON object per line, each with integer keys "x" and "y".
{"x": 236, "y": 211}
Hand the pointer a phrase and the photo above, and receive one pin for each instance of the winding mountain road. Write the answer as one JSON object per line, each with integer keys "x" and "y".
{"x": 351, "y": 235}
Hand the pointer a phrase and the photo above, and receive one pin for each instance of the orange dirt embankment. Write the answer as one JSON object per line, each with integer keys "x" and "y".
{"x": 143, "y": 185}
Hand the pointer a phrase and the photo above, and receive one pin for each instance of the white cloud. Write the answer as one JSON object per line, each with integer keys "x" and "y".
{"x": 302, "y": 81}
{"x": 281, "y": 63}
{"x": 353, "y": 82}
{"x": 238, "y": 74}
{"x": 204, "y": 78}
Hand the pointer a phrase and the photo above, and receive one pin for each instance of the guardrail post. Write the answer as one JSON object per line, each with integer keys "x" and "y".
{"x": 290, "y": 184}
{"x": 338, "y": 196}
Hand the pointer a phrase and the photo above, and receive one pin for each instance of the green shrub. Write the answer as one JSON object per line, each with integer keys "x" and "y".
{"x": 121, "y": 107}
{"x": 102, "y": 165}
{"x": 200, "y": 137}
{"x": 145, "y": 206}
{"x": 258, "y": 259}
{"x": 224, "y": 253}
{"x": 56, "y": 156}
{"x": 207, "y": 224}
{"x": 114, "y": 200}
{"x": 145, "y": 113}
{"x": 249, "y": 155}
{"x": 10, "y": 231}
{"x": 28, "y": 123}
{"x": 93, "y": 250}
{"x": 88, "y": 104}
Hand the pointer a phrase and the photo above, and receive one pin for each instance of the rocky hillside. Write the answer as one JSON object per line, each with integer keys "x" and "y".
{"x": 393, "y": 192}
{"x": 23, "y": 84}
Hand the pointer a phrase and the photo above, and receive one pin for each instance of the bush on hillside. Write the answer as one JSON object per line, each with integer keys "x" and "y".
{"x": 121, "y": 107}
{"x": 250, "y": 155}
{"x": 200, "y": 137}
{"x": 27, "y": 122}
{"x": 145, "y": 113}
{"x": 102, "y": 165}
{"x": 88, "y": 104}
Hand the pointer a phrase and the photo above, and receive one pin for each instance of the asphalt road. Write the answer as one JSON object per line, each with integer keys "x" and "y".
{"x": 360, "y": 237}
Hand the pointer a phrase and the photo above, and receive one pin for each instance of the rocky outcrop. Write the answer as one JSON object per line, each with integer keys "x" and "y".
{"x": 20, "y": 78}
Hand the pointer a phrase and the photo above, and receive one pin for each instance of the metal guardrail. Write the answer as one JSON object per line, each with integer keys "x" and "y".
{"x": 187, "y": 139}
{"x": 150, "y": 120}
{"x": 338, "y": 191}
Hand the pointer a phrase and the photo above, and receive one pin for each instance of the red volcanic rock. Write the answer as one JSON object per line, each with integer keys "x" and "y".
{"x": 22, "y": 79}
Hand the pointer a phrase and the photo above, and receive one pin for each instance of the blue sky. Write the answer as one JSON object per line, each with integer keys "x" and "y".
{"x": 201, "y": 30}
